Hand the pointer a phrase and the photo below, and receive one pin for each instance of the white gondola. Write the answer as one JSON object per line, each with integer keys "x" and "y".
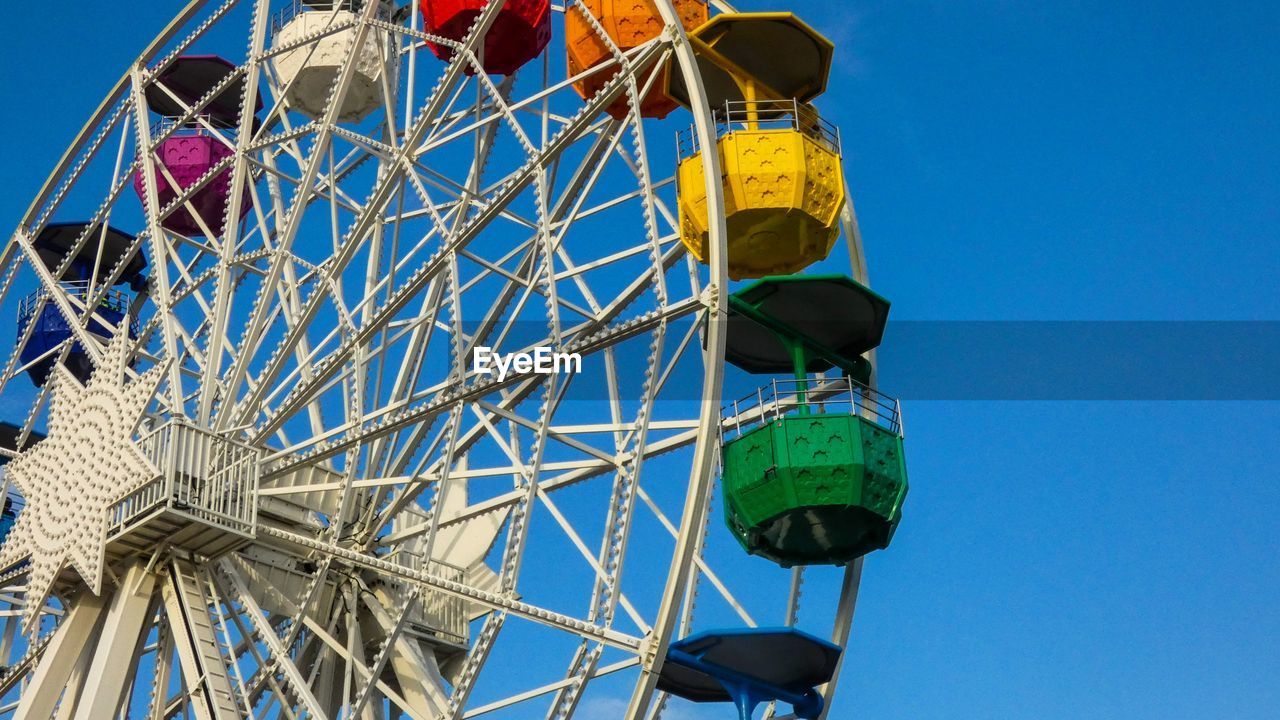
{"x": 308, "y": 70}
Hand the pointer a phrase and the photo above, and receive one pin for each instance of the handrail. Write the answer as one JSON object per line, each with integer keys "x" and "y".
{"x": 295, "y": 8}
{"x": 210, "y": 478}
{"x": 738, "y": 115}
{"x": 813, "y": 395}
{"x": 197, "y": 125}
{"x": 115, "y": 301}
{"x": 447, "y": 615}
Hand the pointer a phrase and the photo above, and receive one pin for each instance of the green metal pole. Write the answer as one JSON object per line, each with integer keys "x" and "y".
{"x": 800, "y": 358}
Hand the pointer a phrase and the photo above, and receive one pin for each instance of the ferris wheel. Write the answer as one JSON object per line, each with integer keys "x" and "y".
{"x": 376, "y": 360}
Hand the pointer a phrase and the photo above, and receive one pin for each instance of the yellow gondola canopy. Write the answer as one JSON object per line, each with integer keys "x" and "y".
{"x": 750, "y": 56}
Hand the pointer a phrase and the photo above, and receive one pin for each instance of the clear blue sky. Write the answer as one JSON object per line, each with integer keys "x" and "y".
{"x": 1081, "y": 160}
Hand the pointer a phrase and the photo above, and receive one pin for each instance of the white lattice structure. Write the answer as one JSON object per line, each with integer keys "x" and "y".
{"x": 287, "y": 495}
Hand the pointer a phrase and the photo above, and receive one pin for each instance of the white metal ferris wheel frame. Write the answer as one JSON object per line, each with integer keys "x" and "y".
{"x": 685, "y": 568}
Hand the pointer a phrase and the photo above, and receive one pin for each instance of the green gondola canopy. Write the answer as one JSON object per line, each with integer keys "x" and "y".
{"x": 828, "y": 311}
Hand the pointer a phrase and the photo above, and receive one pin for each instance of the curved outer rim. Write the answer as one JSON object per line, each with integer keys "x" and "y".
{"x": 707, "y": 444}
{"x": 68, "y": 157}
{"x": 853, "y": 571}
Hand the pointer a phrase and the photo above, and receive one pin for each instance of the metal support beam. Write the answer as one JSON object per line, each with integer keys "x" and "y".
{"x": 418, "y": 673}
{"x": 125, "y": 622}
{"x": 78, "y": 633}
{"x": 71, "y": 695}
{"x": 707, "y": 445}
{"x": 203, "y": 671}
{"x": 237, "y": 590}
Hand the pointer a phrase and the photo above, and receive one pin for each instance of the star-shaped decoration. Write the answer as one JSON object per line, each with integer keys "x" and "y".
{"x": 69, "y": 479}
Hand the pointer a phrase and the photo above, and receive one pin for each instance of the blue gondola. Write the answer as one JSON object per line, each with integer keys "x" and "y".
{"x": 7, "y": 518}
{"x": 47, "y": 323}
{"x": 9, "y": 434}
{"x": 751, "y": 666}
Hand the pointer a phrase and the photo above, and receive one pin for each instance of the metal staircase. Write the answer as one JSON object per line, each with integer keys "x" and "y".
{"x": 199, "y": 652}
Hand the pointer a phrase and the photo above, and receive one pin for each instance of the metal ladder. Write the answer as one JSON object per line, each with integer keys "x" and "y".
{"x": 195, "y": 637}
